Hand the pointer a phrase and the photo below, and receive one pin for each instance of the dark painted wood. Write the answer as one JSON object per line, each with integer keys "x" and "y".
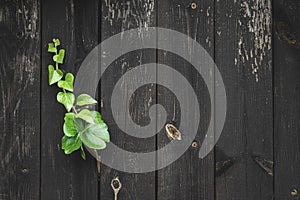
{"x": 189, "y": 177}
{"x": 75, "y": 23}
{"x": 244, "y": 57}
{"x": 237, "y": 33}
{"x": 20, "y": 99}
{"x": 120, "y": 16}
{"x": 287, "y": 98}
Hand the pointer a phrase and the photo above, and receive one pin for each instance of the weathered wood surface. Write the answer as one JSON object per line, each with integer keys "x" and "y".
{"x": 286, "y": 99}
{"x": 121, "y": 16}
{"x": 20, "y": 99}
{"x": 189, "y": 177}
{"x": 243, "y": 33}
{"x": 75, "y": 23}
{"x": 261, "y": 80}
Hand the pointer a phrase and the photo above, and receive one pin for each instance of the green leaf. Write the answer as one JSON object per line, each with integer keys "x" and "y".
{"x": 85, "y": 99}
{"x": 69, "y": 127}
{"x": 100, "y": 125}
{"x": 86, "y": 115}
{"x": 72, "y": 126}
{"x": 91, "y": 139}
{"x": 51, "y": 48}
{"x": 67, "y": 99}
{"x": 97, "y": 118}
{"x": 67, "y": 84}
{"x": 95, "y": 135}
{"x": 83, "y": 156}
{"x": 70, "y": 144}
{"x": 59, "y": 58}
{"x": 54, "y": 75}
{"x": 99, "y": 130}
{"x": 56, "y": 42}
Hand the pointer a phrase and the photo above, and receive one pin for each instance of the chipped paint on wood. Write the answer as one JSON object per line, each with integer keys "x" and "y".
{"x": 131, "y": 13}
{"x": 19, "y": 113}
{"x": 256, "y": 20}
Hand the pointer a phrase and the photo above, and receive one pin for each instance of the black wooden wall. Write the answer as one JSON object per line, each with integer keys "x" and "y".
{"x": 255, "y": 44}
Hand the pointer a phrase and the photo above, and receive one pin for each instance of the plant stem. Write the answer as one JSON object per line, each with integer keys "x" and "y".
{"x": 74, "y": 109}
{"x": 98, "y": 158}
{"x": 56, "y": 63}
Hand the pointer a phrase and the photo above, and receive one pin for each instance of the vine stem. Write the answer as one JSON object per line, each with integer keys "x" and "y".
{"x": 74, "y": 109}
{"x": 98, "y": 158}
{"x": 56, "y": 63}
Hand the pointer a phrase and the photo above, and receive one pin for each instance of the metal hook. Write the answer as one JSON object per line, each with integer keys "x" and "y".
{"x": 116, "y": 184}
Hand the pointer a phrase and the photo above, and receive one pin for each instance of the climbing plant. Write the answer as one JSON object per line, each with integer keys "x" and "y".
{"x": 81, "y": 124}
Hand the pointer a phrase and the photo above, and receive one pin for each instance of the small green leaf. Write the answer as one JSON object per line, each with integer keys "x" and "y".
{"x": 72, "y": 126}
{"x": 83, "y": 156}
{"x": 70, "y": 144}
{"x": 51, "y": 48}
{"x": 67, "y": 84}
{"x": 67, "y": 99}
{"x": 85, "y": 99}
{"x": 86, "y": 115}
{"x": 56, "y": 42}
{"x": 59, "y": 58}
{"x": 54, "y": 75}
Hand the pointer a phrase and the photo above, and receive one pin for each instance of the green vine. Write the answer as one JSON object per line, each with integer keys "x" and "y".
{"x": 81, "y": 125}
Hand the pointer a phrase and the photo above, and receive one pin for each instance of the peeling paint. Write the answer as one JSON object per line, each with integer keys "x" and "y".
{"x": 27, "y": 16}
{"x": 207, "y": 40}
{"x": 256, "y": 19}
{"x": 207, "y": 11}
{"x": 132, "y": 13}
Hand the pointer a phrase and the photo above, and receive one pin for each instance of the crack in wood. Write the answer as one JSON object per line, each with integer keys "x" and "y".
{"x": 265, "y": 164}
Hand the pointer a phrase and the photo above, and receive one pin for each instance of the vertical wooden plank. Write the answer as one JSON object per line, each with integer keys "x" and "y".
{"x": 75, "y": 23}
{"x": 287, "y": 98}
{"x": 189, "y": 177}
{"x": 20, "y": 99}
{"x": 243, "y": 55}
{"x": 119, "y": 16}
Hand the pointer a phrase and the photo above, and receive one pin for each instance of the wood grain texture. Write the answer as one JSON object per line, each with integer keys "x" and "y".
{"x": 286, "y": 98}
{"x": 118, "y": 16}
{"x": 20, "y": 102}
{"x": 189, "y": 177}
{"x": 75, "y": 23}
{"x": 244, "y": 57}
{"x": 237, "y": 33}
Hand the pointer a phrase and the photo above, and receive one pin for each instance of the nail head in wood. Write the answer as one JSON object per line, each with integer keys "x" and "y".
{"x": 194, "y": 144}
{"x": 193, "y": 5}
